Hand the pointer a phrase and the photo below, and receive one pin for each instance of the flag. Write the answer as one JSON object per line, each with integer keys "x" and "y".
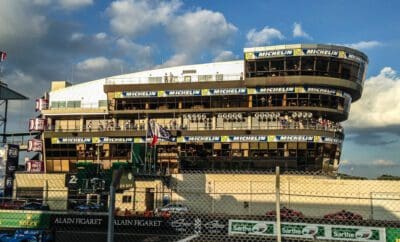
{"x": 156, "y": 131}
{"x": 3, "y": 56}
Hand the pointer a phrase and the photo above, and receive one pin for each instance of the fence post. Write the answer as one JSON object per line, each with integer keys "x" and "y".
{"x": 278, "y": 206}
{"x": 111, "y": 207}
{"x": 372, "y": 205}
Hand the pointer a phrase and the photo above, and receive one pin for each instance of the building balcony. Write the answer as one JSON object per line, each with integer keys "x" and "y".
{"x": 187, "y": 78}
{"x": 352, "y": 87}
{"x": 77, "y": 110}
{"x": 335, "y": 114}
{"x": 335, "y": 131}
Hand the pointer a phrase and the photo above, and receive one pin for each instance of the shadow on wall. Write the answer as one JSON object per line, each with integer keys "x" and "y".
{"x": 254, "y": 194}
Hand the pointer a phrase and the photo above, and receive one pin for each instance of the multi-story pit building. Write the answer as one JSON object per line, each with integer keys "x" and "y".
{"x": 280, "y": 105}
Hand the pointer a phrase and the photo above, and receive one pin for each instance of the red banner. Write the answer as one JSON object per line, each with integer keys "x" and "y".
{"x": 35, "y": 145}
{"x": 37, "y": 124}
{"x": 41, "y": 104}
{"x": 34, "y": 166}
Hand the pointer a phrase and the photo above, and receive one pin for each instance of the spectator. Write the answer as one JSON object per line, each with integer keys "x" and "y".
{"x": 127, "y": 124}
{"x": 270, "y": 101}
{"x": 90, "y": 125}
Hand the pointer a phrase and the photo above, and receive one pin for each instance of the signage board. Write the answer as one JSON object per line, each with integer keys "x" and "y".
{"x": 127, "y": 180}
{"x": 9, "y": 155}
{"x": 35, "y": 145}
{"x": 393, "y": 234}
{"x": 37, "y": 124}
{"x": 330, "y": 52}
{"x": 99, "y": 223}
{"x": 24, "y": 220}
{"x": 308, "y": 231}
{"x": 259, "y": 138}
{"x": 41, "y": 104}
{"x": 34, "y": 166}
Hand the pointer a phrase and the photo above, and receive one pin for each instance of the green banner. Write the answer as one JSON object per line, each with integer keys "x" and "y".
{"x": 24, "y": 220}
{"x": 309, "y": 231}
{"x": 393, "y": 234}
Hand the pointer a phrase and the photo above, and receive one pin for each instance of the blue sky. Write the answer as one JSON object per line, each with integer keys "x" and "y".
{"x": 82, "y": 40}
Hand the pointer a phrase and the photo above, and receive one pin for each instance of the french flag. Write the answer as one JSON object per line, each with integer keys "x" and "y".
{"x": 156, "y": 131}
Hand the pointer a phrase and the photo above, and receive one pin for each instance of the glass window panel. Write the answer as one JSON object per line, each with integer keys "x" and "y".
{"x": 307, "y": 63}
{"x": 322, "y": 65}
{"x": 277, "y": 64}
{"x": 346, "y": 70}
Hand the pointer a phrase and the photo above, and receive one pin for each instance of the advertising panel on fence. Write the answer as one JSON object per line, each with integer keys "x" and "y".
{"x": 35, "y": 145}
{"x": 308, "y": 231}
{"x": 393, "y": 234}
{"x": 153, "y": 225}
{"x": 24, "y": 220}
{"x": 143, "y": 225}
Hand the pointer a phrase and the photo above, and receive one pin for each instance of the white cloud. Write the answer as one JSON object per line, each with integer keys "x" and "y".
{"x": 19, "y": 22}
{"x": 132, "y": 48}
{"x": 199, "y": 30}
{"x": 363, "y": 45}
{"x": 225, "y": 56}
{"x": 74, "y": 4}
{"x": 263, "y": 37}
{"x": 299, "y": 32}
{"x": 42, "y": 2}
{"x": 77, "y": 36}
{"x": 383, "y": 163}
{"x": 100, "y": 36}
{"x": 133, "y": 17}
{"x": 176, "y": 60}
{"x": 141, "y": 55}
{"x": 99, "y": 67}
{"x": 97, "y": 63}
{"x": 379, "y": 105}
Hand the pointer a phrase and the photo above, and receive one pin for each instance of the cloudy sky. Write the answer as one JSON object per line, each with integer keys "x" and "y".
{"x": 82, "y": 40}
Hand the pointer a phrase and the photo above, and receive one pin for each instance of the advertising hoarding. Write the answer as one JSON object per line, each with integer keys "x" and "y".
{"x": 309, "y": 231}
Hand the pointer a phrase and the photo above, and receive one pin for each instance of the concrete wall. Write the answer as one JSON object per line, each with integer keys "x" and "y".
{"x": 315, "y": 196}
{"x": 56, "y": 191}
{"x": 89, "y": 93}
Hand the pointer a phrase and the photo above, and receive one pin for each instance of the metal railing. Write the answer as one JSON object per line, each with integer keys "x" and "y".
{"x": 228, "y": 126}
{"x": 174, "y": 79}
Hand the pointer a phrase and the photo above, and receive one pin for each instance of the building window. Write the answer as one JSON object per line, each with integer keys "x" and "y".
{"x": 73, "y": 104}
{"x": 126, "y": 199}
{"x": 103, "y": 103}
{"x": 58, "y": 104}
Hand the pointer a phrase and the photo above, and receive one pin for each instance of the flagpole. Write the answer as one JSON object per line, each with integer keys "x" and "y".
{"x": 154, "y": 158}
{"x": 145, "y": 146}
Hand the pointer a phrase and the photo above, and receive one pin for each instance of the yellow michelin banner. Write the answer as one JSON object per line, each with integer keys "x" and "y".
{"x": 230, "y": 91}
{"x": 188, "y": 139}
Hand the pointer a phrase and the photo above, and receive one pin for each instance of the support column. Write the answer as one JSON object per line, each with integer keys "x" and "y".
{"x": 250, "y": 101}
{"x": 82, "y": 124}
{"x": 214, "y": 123}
